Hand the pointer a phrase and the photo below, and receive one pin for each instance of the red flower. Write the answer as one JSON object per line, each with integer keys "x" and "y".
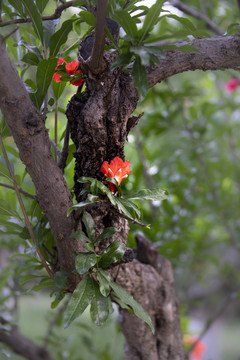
{"x": 117, "y": 169}
{"x": 198, "y": 349}
{"x": 232, "y": 85}
{"x": 57, "y": 77}
{"x": 71, "y": 69}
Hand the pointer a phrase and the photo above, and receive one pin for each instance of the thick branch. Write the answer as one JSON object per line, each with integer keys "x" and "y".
{"x": 99, "y": 37}
{"x": 57, "y": 13}
{"x": 23, "y": 346}
{"x": 189, "y": 11}
{"x": 31, "y": 137}
{"x": 218, "y": 53}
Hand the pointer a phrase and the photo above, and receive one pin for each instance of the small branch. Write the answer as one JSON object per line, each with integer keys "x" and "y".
{"x": 55, "y": 15}
{"x": 53, "y": 322}
{"x": 28, "y": 224}
{"x": 10, "y": 34}
{"x": 20, "y": 190}
{"x": 54, "y": 145}
{"x": 95, "y": 60}
{"x": 187, "y": 10}
{"x": 64, "y": 153}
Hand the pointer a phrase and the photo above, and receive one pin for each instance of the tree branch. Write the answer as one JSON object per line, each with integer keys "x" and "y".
{"x": 31, "y": 137}
{"x": 23, "y": 346}
{"x": 213, "y": 54}
{"x": 57, "y": 13}
{"x": 187, "y": 10}
{"x": 95, "y": 60}
{"x": 20, "y": 190}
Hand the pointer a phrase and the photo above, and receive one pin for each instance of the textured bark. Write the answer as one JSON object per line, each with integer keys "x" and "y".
{"x": 149, "y": 279}
{"x": 222, "y": 52}
{"x": 31, "y": 137}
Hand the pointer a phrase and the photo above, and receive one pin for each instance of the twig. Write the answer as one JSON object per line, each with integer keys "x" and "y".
{"x": 55, "y": 15}
{"x": 10, "y": 34}
{"x": 95, "y": 60}
{"x": 187, "y": 10}
{"x": 28, "y": 224}
{"x": 20, "y": 190}
{"x": 58, "y": 151}
{"x": 64, "y": 153}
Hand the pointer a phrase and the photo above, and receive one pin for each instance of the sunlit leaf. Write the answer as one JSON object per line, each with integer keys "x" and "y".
{"x": 35, "y": 16}
{"x": 127, "y": 298}
{"x": 151, "y": 19}
{"x": 80, "y": 299}
{"x": 104, "y": 279}
{"x": 147, "y": 194}
{"x": 113, "y": 253}
{"x": 90, "y": 225}
{"x": 60, "y": 37}
{"x": 99, "y": 306}
{"x": 84, "y": 261}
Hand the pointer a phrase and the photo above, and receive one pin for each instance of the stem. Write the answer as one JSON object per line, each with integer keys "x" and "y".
{"x": 20, "y": 190}
{"x": 28, "y": 224}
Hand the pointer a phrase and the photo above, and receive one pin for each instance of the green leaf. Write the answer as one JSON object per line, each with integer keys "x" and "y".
{"x": 18, "y": 6}
{"x": 84, "y": 261}
{"x": 45, "y": 71}
{"x": 100, "y": 186}
{"x": 113, "y": 253}
{"x": 140, "y": 77}
{"x": 41, "y": 4}
{"x": 44, "y": 283}
{"x": 130, "y": 206}
{"x": 35, "y": 16}
{"x": 106, "y": 234}
{"x": 185, "y": 22}
{"x": 4, "y": 130}
{"x": 81, "y": 205}
{"x": 33, "y": 49}
{"x": 4, "y": 172}
{"x": 147, "y": 194}
{"x": 60, "y": 279}
{"x": 121, "y": 60}
{"x": 58, "y": 88}
{"x": 80, "y": 299}
{"x": 121, "y": 207}
{"x": 151, "y": 19}
{"x": 30, "y": 58}
{"x": 90, "y": 225}
{"x": 49, "y": 30}
{"x": 6, "y": 210}
{"x": 99, "y": 306}
{"x": 60, "y": 37}
{"x": 142, "y": 53}
{"x": 80, "y": 235}
{"x": 126, "y": 22}
{"x": 87, "y": 17}
{"x": 104, "y": 279}
{"x": 187, "y": 48}
{"x": 127, "y": 298}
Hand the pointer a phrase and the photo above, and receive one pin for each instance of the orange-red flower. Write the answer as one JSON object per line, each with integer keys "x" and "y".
{"x": 232, "y": 85}
{"x": 117, "y": 169}
{"x": 199, "y": 348}
{"x": 57, "y": 77}
{"x": 71, "y": 69}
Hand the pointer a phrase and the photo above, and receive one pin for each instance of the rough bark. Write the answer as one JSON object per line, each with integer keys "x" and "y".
{"x": 31, "y": 137}
{"x": 150, "y": 279}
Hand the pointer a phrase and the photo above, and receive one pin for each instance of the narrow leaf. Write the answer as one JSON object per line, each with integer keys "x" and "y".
{"x": 60, "y": 37}
{"x": 4, "y": 172}
{"x": 127, "y": 298}
{"x": 58, "y": 88}
{"x": 113, "y": 253}
{"x": 84, "y": 261}
{"x": 44, "y": 75}
{"x": 35, "y": 16}
{"x": 80, "y": 235}
{"x": 121, "y": 60}
{"x": 185, "y": 22}
{"x": 104, "y": 279}
{"x": 99, "y": 306}
{"x": 41, "y": 4}
{"x": 80, "y": 299}
{"x": 127, "y": 23}
{"x": 151, "y": 19}
{"x": 90, "y": 225}
{"x": 106, "y": 234}
{"x": 30, "y": 58}
{"x": 140, "y": 77}
{"x": 130, "y": 206}
{"x": 147, "y": 194}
